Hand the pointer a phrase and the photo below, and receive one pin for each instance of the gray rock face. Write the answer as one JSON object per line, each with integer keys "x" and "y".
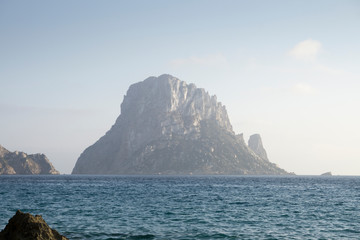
{"x": 256, "y": 145}
{"x": 3, "y": 151}
{"x": 22, "y": 163}
{"x": 169, "y": 127}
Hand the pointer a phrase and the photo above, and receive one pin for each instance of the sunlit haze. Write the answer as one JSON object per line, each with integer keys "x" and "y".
{"x": 288, "y": 70}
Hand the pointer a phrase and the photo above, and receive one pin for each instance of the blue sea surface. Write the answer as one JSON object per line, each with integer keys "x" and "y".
{"x": 188, "y": 207}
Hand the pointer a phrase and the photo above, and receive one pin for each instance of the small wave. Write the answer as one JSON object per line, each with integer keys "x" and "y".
{"x": 117, "y": 236}
{"x": 214, "y": 236}
{"x": 239, "y": 203}
{"x": 350, "y": 231}
{"x": 146, "y": 236}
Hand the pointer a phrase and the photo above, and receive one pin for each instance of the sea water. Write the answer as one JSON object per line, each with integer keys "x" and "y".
{"x": 188, "y": 207}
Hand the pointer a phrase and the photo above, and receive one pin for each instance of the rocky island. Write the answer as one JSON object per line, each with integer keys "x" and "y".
{"x": 167, "y": 126}
{"x": 327, "y": 174}
{"x": 22, "y": 163}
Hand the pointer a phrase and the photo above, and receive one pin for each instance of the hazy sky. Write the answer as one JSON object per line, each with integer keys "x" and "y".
{"x": 289, "y": 70}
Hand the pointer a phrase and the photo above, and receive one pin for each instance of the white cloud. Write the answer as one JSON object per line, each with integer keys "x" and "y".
{"x": 303, "y": 89}
{"x": 307, "y": 50}
{"x": 209, "y": 60}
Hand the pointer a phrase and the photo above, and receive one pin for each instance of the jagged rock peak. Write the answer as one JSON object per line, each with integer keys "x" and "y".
{"x": 22, "y": 163}
{"x": 255, "y": 144}
{"x": 25, "y": 226}
{"x": 168, "y": 94}
{"x": 164, "y": 106}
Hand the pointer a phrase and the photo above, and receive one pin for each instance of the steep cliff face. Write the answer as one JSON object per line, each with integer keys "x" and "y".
{"x": 168, "y": 126}
{"x": 22, "y": 163}
{"x": 255, "y": 144}
{"x": 3, "y": 151}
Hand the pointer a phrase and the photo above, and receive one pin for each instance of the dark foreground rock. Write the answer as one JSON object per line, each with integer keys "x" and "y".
{"x": 167, "y": 126}
{"x": 22, "y": 163}
{"x": 24, "y": 226}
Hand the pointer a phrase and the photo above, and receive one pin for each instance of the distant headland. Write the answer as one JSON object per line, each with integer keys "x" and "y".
{"x": 25, "y": 164}
{"x": 327, "y": 174}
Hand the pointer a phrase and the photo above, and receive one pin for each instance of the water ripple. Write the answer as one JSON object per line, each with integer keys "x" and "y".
{"x": 198, "y": 207}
